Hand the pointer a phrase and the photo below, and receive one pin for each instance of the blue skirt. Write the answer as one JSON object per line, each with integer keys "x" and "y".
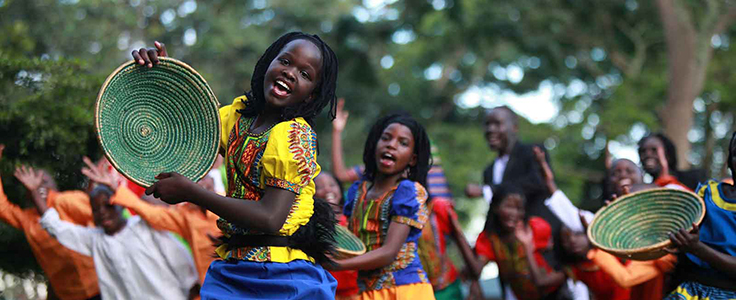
{"x": 241, "y": 279}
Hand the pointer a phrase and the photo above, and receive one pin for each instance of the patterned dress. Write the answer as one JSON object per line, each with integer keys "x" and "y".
{"x": 433, "y": 244}
{"x": 284, "y": 157}
{"x": 511, "y": 259}
{"x": 718, "y": 231}
{"x": 369, "y": 219}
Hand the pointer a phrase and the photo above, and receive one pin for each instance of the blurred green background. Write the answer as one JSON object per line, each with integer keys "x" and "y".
{"x": 607, "y": 73}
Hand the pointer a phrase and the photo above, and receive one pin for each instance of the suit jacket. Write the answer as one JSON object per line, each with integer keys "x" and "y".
{"x": 522, "y": 170}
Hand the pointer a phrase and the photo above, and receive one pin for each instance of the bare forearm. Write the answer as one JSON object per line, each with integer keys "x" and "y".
{"x": 382, "y": 256}
{"x": 718, "y": 260}
{"x": 338, "y": 164}
{"x": 372, "y": 260}
{"x": 549, "y": 178}
{"x": 468, "y": 255}
{"x": 266, "y": 215}
{"x": 39, "y": 201}
{"x": 538, "y": 277}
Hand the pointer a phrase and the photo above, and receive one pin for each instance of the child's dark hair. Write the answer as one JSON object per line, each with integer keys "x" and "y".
{"x": 100, "y": 189}
{"x": 418, "y": 172}
{"x": 324, "y": 92}
{"x": 670, "y": 152}
{"x": 500, "y": 192}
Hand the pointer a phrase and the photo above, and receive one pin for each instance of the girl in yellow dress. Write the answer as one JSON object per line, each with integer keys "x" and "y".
{"x": 275, "y": 235}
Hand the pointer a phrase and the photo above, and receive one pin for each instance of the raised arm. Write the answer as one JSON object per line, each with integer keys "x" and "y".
{"x": 75, "y": 237}
{"x": 10, "y": 213}
{"x": 338, "y": 163}
{"x": 158, "y": 217}
{"x": 32, "y": 180}
{"x": 547, "y": 176}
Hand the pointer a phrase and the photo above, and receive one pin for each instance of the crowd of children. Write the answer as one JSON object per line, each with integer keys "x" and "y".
{"x": 266, "y": 228}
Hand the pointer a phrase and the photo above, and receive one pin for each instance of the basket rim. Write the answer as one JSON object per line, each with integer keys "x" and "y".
{"x": 652, "y": 248}
{"x": 212, "y": 99}
{"x": 350, "y": 252}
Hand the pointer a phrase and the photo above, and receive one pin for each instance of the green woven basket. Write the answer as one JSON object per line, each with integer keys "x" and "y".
{"x": 637, "y": 226}
{"x": 160, "y": 119}
{"x": 348, "y": 245}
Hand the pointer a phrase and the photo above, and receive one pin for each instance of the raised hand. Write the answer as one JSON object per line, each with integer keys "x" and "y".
{"x": 149, "y": 57}
{"x": 29, "y": 177}
{"x": 341, "y": 116}
{"x": 99, "y": 174}
{"x": 539, "y": 154}
{"x": 172, "y": 188}
{"x": 524, "y": 234}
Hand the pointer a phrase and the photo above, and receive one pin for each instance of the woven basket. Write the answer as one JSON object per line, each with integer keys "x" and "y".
{"x": 348, "y": 245}
{"x": 160, "y": 119}
{"x": 637, "y": 226}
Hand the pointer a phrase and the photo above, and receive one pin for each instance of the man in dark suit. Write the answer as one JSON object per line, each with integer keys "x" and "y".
{"x": 515, "y": 163}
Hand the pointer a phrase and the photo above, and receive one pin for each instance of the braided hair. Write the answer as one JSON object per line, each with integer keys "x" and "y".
{"x": 324, "y": 92}
{"x": 418, "y": 172}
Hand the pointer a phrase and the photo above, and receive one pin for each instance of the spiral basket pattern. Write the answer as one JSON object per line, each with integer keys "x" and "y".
{"x": 160, "y": 119}
{"x": 348, "y": 245}
{"x": 637, "y": 226}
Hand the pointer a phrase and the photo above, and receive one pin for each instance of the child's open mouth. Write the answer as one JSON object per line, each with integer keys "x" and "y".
{"x": 387, "y": 160}
{"x": 281, "y": 89}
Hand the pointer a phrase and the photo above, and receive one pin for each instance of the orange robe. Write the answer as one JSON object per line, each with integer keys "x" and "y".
{"x": 645, "y": 278}
{"x": 71, "y": 275}
{"x": 186, "y": 220}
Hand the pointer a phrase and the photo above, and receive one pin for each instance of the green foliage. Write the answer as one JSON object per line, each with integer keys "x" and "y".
{"x": 54, "y": 55}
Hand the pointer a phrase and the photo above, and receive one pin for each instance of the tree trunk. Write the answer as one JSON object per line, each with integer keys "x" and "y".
{"x": 688, "y": 53}
{"x": 710, "y": 140}
{"x": 676, "y": 115}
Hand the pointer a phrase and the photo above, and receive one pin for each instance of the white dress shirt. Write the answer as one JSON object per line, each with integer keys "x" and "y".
{"x": 137, "y": 262}
{"x": 563, "y": 208}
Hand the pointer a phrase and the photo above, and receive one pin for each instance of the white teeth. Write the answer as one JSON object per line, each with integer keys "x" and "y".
{"x": 283, "y": 85}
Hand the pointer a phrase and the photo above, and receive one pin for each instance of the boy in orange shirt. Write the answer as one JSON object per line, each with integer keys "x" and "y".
{"x": 70, "y": 275}
{"x": 193, "y": 223}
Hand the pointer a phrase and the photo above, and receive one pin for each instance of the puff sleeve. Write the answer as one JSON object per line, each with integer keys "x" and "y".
{"x": 484, "y": 247}
{"x": 408, "y": 204}
{"x": 347, "y": 208}
{"x": 290, "y": 157}
{"x": 228, "y": 117}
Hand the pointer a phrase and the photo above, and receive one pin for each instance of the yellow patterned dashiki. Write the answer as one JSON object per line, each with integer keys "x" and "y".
{"x": 284, "y": 156}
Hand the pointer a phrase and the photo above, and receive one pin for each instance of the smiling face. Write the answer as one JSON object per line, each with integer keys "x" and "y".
{"x": 326, "y": 187}
{"x": 395, "y": 149}
{"x": 510, "y": 212}
{"x": 498, "y": 128}
{"x": 624, "y": 172}
{"x": 648, "y": 155}
{"x": 107, "y": 216}
{"x": 293, "y": 75}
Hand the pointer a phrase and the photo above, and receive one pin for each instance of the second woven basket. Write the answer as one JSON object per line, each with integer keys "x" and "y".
{"x": 637, "y": 226}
